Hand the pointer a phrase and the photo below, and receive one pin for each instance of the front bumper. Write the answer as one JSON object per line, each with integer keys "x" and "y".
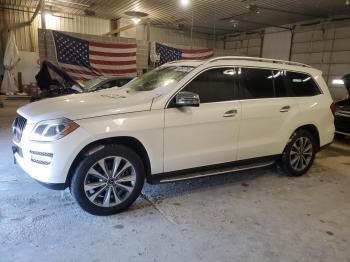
{"x": 48, "y": 162}
{"x": 55, "y": 186}
{"x": 44, "y": 174}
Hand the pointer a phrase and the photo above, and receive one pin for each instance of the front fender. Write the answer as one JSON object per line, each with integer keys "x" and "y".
{"x": 146, "y": 127}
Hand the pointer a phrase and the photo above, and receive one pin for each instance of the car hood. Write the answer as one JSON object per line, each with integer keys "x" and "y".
{"x": 79, "y": 106}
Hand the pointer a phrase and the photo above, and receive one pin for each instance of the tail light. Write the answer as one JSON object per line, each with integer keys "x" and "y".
{"x": 333, "y": 108}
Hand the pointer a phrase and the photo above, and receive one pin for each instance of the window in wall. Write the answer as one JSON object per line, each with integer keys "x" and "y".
{"x": 214, "y": 85}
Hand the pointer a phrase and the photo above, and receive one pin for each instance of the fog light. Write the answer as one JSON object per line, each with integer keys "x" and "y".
{"x": 42, "y": 158}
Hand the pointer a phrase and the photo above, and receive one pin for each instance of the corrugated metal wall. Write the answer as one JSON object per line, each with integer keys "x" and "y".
{"x": 241, "y": 46}
{"x": 177, "y": 37}
{"x": 27, "y": 36}
{"x": 79, "y": 24}
{"x": 22, "y": 33}
{"x": 68, "y": 23}
{"x": 328, "y": 50}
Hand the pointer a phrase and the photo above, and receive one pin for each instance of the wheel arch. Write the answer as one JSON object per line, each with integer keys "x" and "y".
{"x": 313, "y": 130}
{"x": 94, "y": 146}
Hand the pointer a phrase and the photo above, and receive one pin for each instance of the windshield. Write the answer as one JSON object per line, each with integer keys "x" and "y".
{"x": 93, "y": 82}
{"x": 160, "y": 77}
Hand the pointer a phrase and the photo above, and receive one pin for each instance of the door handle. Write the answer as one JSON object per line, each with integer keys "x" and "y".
{"x": 284, "y": 109}
{"x": 230, "y": 113}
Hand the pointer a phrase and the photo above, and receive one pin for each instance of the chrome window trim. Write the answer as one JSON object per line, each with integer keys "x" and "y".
{"x": 243, "y": 66}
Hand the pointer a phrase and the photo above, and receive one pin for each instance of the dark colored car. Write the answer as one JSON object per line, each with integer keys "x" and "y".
{"x": 103, "y": 82}
{"x": 53, "y": 82}
{"x": 342, "y": 113}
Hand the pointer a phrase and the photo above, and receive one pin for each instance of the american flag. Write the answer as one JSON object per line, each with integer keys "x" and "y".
{"x": 83, "y": 59}
{"x": 168, "y": 54}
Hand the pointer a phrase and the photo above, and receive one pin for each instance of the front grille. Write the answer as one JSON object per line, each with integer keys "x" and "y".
{"x": 17, "y": 128}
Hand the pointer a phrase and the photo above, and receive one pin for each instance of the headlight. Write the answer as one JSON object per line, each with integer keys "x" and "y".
{"x": 51, "y": 130}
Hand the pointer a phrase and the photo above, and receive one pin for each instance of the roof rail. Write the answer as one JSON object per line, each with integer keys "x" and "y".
{"x": 257, "y": 59}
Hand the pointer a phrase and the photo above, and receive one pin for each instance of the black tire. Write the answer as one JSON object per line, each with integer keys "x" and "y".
{"x": 286, "y": 162}
{"x": 78, "y": 180}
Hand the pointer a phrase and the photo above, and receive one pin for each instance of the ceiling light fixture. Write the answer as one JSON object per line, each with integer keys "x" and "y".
{"x": 136, "y": 16}
{"x": 347, "y": 2}
{"x": 185, "y": 3}
{"x": 136, "y": 20}
{"x": 338, "y": 82}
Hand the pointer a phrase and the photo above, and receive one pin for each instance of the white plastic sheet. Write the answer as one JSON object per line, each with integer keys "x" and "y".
{"x": 11, "y": 59}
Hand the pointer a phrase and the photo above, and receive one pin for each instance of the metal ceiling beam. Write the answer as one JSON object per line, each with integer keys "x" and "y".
{"x": 124, "y": 28}
{"x": 261, "y": 23}
{"x": 37, "y": 10}
{"x": 234, "y": 16}
{"x": 287, "y": 12}
{"x": 32, "y": 12}
{"x": 63, "y": 6}
{"x": 182, "y": 29}
{"x": 15, "y": 9}
{"x": 120, "y": 29}
{"x": 258, "y": 7}
{"x": 209, "y": 28}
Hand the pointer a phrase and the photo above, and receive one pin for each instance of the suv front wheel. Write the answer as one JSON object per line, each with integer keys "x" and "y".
{"x": 108, "y": 181}
{"x": 299, "y": 154}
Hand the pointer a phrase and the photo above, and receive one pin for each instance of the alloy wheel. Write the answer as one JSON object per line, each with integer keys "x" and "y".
{"x": 301, "y": 153}
{"x": 109, "y": 181}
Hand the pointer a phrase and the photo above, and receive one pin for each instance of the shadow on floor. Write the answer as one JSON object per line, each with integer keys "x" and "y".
{"x": 172, "y": 189}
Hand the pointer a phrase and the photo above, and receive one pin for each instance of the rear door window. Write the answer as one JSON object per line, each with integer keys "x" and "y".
{"x": 256, "y": 83}
{"x": 302, "y": 84}
{"x": 280, "y": 83}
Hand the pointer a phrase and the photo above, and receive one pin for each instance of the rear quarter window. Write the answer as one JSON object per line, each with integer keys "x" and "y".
{"x": 302, "y": 84}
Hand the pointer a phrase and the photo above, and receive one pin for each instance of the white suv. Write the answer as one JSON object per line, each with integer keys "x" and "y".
{"x": 183, "y": 120}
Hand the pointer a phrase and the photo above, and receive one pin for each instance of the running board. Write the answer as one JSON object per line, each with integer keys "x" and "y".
{"x": 174, "y": 178}
{"x": 342, "y": 133}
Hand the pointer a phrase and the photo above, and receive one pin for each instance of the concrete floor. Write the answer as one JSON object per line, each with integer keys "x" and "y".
{"x": 250, "y": 216}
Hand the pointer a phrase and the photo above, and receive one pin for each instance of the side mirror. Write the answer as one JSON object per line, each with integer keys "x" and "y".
{"x": 186, "y": 98}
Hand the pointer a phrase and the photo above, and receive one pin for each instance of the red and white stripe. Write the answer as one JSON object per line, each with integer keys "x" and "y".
{"x": 107, "y": 59}
{"x": 197, "y": 54}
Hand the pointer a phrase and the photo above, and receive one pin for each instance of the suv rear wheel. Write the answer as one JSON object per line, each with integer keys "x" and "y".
{"x": 109, "y": 180}
{"x": 299, "y": 154}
